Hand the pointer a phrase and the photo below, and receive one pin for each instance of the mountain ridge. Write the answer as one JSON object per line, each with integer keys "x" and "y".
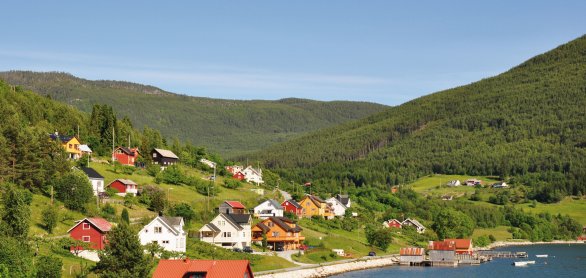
{"x": 526, "y": 122}
{"x": 229, "y": 127}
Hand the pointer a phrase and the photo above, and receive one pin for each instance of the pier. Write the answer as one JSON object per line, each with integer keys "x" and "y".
{"x": 501, "y": 254}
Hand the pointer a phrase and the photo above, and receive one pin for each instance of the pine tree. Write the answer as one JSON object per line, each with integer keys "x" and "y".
{"x": 124, "y": 216}
{"x": 123, "y": 256}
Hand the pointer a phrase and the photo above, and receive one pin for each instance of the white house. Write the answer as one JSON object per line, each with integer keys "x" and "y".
{"x": 208, "y": 163}
{"x": 500, "y": 185}
{"x": 412, "y": 222}
{"x": 252, "y": 175}
{"x": 165, "y": 231}
{"x": 268, "y": 208}
{"x": 338, "y": 208}
{"x": 95, "y": 179}
{"x": 454, "y": 183}
{"x": 344, "y": 199}
{"x": 228, "y": 231}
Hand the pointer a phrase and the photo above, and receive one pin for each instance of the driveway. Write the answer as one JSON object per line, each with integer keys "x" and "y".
{"x": 287, "y": 256}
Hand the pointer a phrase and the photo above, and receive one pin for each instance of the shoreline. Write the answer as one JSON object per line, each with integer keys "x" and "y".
{"x": 329, "y": 269}
{"x": 500, "y": 244}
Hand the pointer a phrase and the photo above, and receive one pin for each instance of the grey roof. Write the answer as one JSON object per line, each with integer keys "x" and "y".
{"x": 415, "y": 222}
{"x": 263, "y": 227}
{"x": 166, "y": 153}
{"x": 213, "y": 227}
{"x": 91, "y": 173}
{"x": 237, "y": 219}
{"x": 294, "y": 203}
{"x": 172, "y": 221}
{"x": 125, "y": 181}
{"x": 343, "y": 199}
{"x": 62, "y": 138}
{"x": 275, "y": 204}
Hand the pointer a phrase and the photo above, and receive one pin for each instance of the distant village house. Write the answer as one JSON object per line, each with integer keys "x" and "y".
{"x": 164, "y": 158}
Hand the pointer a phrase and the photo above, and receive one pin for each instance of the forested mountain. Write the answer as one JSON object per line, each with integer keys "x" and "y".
{"x": 527, "y": 124}
{"x": 229, "y": 127}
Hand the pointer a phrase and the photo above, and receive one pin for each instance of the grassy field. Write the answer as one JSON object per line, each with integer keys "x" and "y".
{"x": 437, "y": 185}
{"x": 575, "y": 208}
{"x": 500, "y": 233}
{"x": 325, "y": 239}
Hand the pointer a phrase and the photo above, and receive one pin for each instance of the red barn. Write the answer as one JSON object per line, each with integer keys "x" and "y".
{"x": 203, "y": 268}
{"x": 393, "y": 223}
{"x": 293, "y": 207}
{"x": 92, "y": 230}
{"x": 124, "y": 186}
{"x": 125, "y": 155}
{"x": 239, "y": 176}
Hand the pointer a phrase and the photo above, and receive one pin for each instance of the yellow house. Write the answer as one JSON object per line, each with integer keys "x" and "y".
{"x": 70, "y": 144}
{"x": 313, "y": 205}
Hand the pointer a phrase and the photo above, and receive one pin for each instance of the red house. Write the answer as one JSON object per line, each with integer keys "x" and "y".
{"x": 239, "y": 176}
{"x": 92, "y": 230}
{"x": 187, "y": 268}
{"x": 293, "y": 207}
{"x": 124, "y": 186}
{"x": 393, "y": 223}
{"x": 463, "y": 246}
{"x": 125, "y": 155}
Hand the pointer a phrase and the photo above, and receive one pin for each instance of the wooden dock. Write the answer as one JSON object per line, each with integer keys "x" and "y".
{"x": 501, "y": 254}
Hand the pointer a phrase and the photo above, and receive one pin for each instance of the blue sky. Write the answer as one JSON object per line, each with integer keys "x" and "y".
{"x": 381, "y": 51}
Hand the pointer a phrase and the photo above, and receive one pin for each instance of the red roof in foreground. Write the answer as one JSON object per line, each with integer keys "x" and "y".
{"x": 213, "y": 269}
{"x": 235, "y": 204}
{"x": 412, "y": 251}
{"x": 460, "y": 242}
{"x": 442, "y": 245}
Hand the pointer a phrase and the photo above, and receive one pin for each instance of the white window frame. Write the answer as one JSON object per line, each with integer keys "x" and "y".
{"x": 84, "y": 225}
{"x": 89, "y": 239}
{"x": 158, "y": 230}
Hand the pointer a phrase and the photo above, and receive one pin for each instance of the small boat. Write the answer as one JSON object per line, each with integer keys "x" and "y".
{"x": 523, "y": 263}
{"x": 542, "y": 256}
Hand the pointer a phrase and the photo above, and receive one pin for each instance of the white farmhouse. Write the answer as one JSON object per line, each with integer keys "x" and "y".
{"x": 267, "y": 209}
{"x": 165, "y": 231}
{"x": 208, "y": 163}
{"x": 412, "y": 222}
{"x": 95, "y": 179}
{"x": 228, "y": 231}
{"x": 252, "y": 175}
{"x": 338, "y": 208}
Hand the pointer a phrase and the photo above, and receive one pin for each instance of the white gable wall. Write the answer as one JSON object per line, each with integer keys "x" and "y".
{"x": 166, "y": 238}
{"x": 229, "y": 237}
{"x": 337, "y": 207}
{"x": 97, "y": 185}
{"x": 266, "y": 205}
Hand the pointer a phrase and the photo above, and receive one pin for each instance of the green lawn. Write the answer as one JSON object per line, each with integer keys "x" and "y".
{"x": 500, "y": 233}
{"x": 40, "y": 203}
{"x": 325, "y": 239}
{"x": 574, "y": 208}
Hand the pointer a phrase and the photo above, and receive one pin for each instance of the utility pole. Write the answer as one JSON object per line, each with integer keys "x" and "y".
{"x": 113, "y": 138}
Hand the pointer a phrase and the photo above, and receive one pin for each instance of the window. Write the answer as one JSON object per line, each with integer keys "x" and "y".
{"x": 270, "y": 224}
{"x": 227, "y": 234}
{"x": 275, "y": 234}
{"x": 158, "y": 230}
{"x": 154, "y": 155}
{"x": 165, "y": 242}
{"x": 86, "y": 226}
{"x": 85, "y": 238}
{"x": 70, "y": 146}
{"x": 243, "y": 234}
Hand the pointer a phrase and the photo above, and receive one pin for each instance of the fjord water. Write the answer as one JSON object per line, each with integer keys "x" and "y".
{"x": 564, "y": 261}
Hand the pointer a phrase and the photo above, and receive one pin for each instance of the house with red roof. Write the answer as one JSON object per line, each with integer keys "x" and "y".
{"x": 232, "y": 207}
{"x": 187, "y": 268}
{"x": 239, "y": 176}
{"x": 293, "y": 207}
{"x": 462, "y": 245}
{"x": 126, "y": 156}
{"x": 124, "y": 186}
{"x": 393, "y": 223}
{"x": 91, "y": 230}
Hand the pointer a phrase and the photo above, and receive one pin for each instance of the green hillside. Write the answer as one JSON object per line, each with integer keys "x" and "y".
{"x": 527, "y": 124}
{"x": 230, "y": 127}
